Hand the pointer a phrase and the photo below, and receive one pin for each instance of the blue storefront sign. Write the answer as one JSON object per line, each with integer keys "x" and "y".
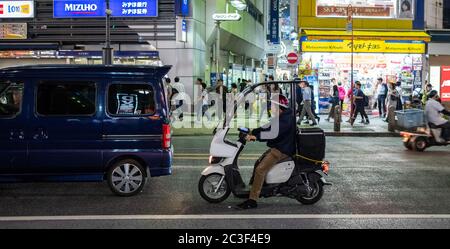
{"x": 274, "y": 22}
{"x": 134, "y": 8}
{"x": 97, "y": 8}
{"x": 78, "y": 8}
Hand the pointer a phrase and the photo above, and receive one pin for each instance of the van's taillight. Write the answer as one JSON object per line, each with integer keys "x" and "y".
{"x": 166, "y": 136}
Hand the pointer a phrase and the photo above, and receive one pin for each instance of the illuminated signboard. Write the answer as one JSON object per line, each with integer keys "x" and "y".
{"x": 13, "y": 31}
{"x": 16, "y": 9}
{"x": 364, "y": 46}
{"x": 387, "y": 9}
{"x": 97, "y": 8}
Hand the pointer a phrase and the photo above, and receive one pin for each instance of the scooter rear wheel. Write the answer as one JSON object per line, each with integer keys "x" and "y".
{"x": 207, "y": 186}
{"x": 315, "y": 196}
{"x": 420, "y": 144}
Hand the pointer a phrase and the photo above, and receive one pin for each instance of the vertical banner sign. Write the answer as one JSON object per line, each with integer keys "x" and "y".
{"x": 182, "y": 7}
{"x": 445, "y": 83}
{"x": 184, "y": 30}
{"x": 274, "y": 22}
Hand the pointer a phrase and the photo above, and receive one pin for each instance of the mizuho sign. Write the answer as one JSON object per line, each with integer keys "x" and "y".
{"x": 227, "y": 17}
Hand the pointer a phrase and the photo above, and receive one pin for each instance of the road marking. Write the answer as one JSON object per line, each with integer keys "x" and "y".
{"x": 334, "y": 166}
{"x": 224, "y": 217}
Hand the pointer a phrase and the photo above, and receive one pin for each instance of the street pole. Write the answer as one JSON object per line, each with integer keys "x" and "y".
{"x": 218, "y": 49}
{"x": 107, "y": 50}
{"x": 352, "y": 85}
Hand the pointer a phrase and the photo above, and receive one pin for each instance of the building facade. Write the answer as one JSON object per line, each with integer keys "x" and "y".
{"x": 370, "y": 39}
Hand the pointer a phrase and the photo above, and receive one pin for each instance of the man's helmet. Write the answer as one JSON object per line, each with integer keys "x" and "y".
{"x": 280, "y": 100}
{"x": 432, "y": 94}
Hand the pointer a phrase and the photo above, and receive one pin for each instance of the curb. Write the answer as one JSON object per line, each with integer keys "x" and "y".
{"x": 328, "y": 134}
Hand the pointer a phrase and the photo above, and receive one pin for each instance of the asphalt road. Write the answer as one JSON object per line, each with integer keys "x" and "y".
{"x": 377, "y": 184}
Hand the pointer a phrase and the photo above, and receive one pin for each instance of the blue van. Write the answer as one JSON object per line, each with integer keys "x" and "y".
{"x": 85, "y": 123}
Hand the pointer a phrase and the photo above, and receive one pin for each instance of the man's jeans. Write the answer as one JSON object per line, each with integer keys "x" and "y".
{"x": 272, "y": 157}
{"x": 382, "y": 104}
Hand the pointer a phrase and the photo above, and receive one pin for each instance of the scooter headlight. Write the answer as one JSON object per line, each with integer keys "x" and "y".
{"x": 215, "y": 160}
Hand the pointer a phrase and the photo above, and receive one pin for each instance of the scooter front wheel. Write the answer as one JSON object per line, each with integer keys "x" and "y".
{"x": 211, "y": 191}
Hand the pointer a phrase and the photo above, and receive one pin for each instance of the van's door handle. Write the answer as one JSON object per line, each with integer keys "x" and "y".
{"x": 16, "y": 134}
{"x": 40, "y": 134}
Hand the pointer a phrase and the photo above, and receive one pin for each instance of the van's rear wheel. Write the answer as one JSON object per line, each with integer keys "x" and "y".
{"x": 214, "y": 188}
{"x": 126, "y": 178}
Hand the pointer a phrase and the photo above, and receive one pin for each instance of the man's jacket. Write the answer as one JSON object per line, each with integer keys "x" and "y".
{"x": 284, "y": 140}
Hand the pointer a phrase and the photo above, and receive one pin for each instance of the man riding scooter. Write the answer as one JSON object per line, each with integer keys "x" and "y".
{"x": 434, "y": 111}
{"x": 282, "y": 145}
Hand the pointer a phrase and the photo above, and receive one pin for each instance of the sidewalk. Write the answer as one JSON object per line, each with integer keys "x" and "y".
{"x": 376, "y": 128}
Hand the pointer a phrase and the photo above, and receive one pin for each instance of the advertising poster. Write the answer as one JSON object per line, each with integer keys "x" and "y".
{"x": 16, "y": 9}
{"x": 445, "y": 83}
{"x": 127, "y": 104}
{"x": 377, "y": 9}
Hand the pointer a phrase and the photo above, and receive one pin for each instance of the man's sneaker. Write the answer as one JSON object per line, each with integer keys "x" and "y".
{"x": 248, "y": 204}
{"x": 367, "y": 122}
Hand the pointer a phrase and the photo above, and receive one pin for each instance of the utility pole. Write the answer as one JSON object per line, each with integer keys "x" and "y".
{"x": 107, "y": 50}
{"x": 352, "y": 84}
{"x": 218, "y": 49}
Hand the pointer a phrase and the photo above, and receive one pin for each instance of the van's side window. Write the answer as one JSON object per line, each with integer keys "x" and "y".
{"x": 11, "y": 95}
{"x": 131, "y": 100}
{"x": 66, "y": 99}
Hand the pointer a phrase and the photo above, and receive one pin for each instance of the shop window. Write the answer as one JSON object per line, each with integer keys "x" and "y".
{"x": 131, "y": 100}
{"x": 11, "y": 98}
{"x": 66, "y": 98}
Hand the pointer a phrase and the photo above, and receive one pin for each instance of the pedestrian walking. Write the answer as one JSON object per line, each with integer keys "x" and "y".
{"x": 221, "y": 92}
{"x": 178, "y": 98}
{"x": 381, "y": 93}
{"x": 307, "y": 102}
{"x": 360, "y": 100}
{"x": 198, "y": 104}
{"x": 205, "y": 102}
{"x": 262, "y": 97}
{"x": 334, "y": 101}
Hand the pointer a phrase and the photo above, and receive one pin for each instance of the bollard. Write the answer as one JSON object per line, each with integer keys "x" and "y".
{"x": 391, "y": 119}
{"x": 337, "y": 118}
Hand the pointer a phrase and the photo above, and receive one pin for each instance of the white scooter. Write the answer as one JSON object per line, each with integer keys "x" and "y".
{"x": 290, "y": 177}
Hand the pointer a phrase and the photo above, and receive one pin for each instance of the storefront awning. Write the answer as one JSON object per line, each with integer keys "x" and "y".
{"x": 367, "y": 35}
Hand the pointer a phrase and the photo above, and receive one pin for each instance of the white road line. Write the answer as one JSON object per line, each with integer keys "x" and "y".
{"x": 412, "y": 167}
{"x": 224, "y": 217}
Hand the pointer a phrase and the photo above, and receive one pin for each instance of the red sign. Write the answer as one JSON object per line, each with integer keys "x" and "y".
{"x": 445, "y": 83}
{"x": 292, "y": 58}
{"x": 1, "y": 8}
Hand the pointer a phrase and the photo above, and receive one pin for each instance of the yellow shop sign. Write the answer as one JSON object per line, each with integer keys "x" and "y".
{"x": 364, "y": 46}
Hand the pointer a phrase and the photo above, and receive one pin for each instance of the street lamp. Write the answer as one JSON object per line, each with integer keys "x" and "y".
{"x": 107, "y": 50}
{"x": 239, "y": 4}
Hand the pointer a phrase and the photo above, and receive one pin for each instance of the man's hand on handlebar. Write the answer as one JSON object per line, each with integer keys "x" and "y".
{"x": 250, "y": 138}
